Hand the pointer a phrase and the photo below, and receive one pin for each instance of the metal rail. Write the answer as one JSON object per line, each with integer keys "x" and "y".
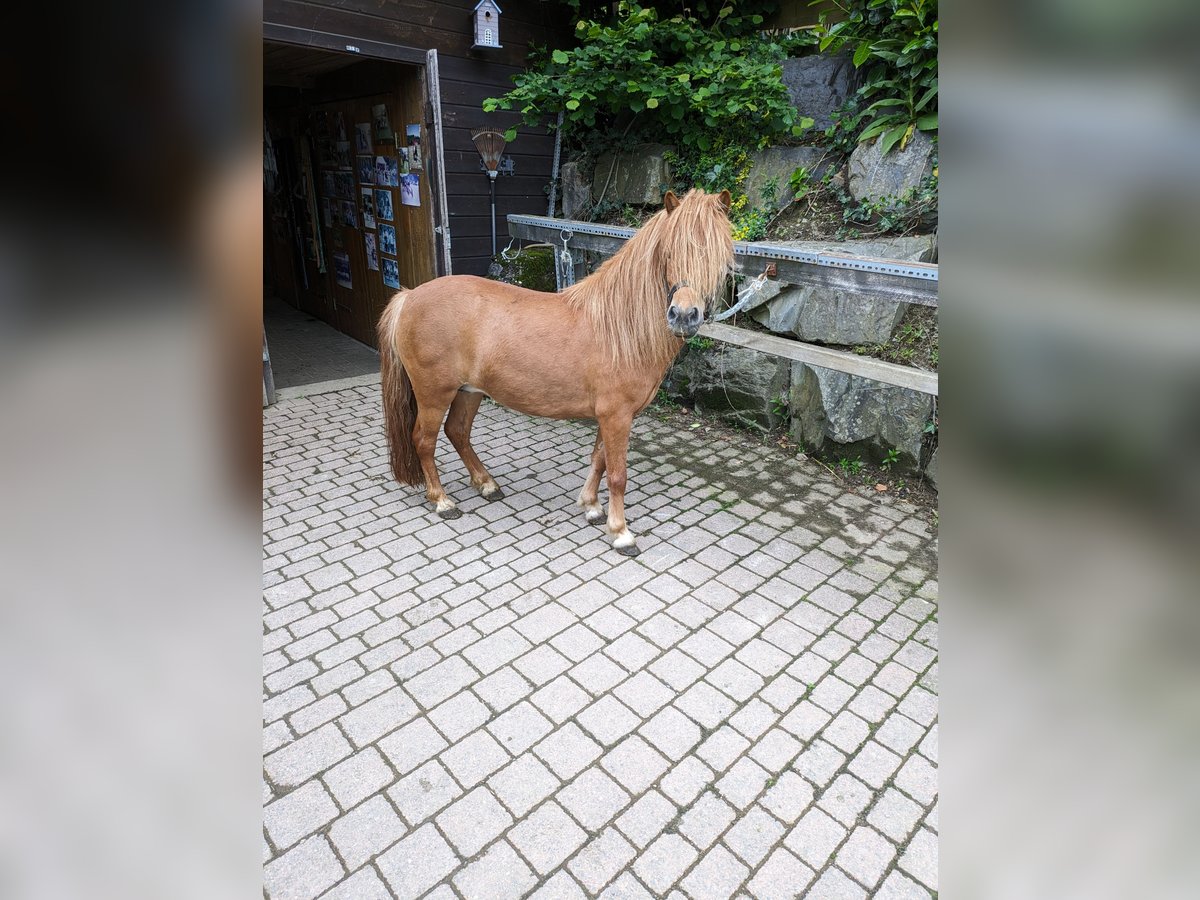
{"x": 882, "y": 278}
{"x": 886, "y": 279}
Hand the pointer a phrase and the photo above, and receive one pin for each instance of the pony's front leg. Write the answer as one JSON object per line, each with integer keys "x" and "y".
{"x": 589, "y": 497}
{"x": 614, "y": 432}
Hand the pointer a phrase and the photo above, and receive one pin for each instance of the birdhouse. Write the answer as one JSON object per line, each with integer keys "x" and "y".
{"x": 487, "y": 24}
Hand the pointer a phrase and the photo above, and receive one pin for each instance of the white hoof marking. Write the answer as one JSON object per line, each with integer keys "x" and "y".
{"x": 624, "y": 538}
{"x": 444, "y": 504}
{"x": 489, "y": 488}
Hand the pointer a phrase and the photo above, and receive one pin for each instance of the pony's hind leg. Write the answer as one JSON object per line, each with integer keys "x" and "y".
{"x": 430, "y": 411}
{"x": 458, "y": 429}
{"x": 589, "y": 497}
{"x": 614, "y": 430}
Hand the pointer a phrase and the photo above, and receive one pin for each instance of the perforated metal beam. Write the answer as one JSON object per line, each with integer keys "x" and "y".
{"x": 887, "y": 279}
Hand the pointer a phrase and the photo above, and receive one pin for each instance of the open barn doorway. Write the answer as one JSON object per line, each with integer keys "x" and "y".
{"x": 349, "y": 204}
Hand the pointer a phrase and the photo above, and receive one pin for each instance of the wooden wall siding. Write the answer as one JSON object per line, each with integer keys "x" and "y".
{"x": 467, "y": 78}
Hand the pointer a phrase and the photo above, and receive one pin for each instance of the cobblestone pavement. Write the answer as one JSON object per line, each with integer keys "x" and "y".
{"x": 502, "y": 706}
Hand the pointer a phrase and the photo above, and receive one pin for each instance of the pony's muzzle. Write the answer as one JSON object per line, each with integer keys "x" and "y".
{"x": 684, "y": 321}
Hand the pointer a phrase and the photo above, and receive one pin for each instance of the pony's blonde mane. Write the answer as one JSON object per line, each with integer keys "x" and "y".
{"x": 625, "y": 301}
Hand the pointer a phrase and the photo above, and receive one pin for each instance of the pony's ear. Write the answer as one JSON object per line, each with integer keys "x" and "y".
{"x": 725, "y": 200}
{"x": 670, "y": 202}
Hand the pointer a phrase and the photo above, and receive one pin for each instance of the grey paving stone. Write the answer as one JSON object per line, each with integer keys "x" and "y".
{"x": 644, "y": 694}
{"x": 303, "y": 872}
{"x": 716, "y": 877}
{"x": 502, "y": 688}
{"x": 874, "y": 764}
{"x": 408, "y": 747}
{"x": 835, "y": 885}
{"x": 788, "y": 797}
{"x": 365, "y": 884}
{"x": 646, "y": 818}
{"x": 706, "y": 705}
{"x": 423, "y": 792}
{"x": 568, "y": 750}
{"x": 473, "y": 821}
{"x": 372, "y": 720}
{"x": 500, "y": 874}
{"x": 474, "y": 758}
{"x": 815, "y": 837}
{"x": 671, "y": 733}
{"x": 920, "y": 858}
{"x": 365, "y": 831}
{"x": 626, "y": 887}
{"x": 546, "y": 837}
{"x": 523, "y": 783}
{"x": 593, "y": 799}
{"x": 664, "y": 861}
{"x": 754, "y": 835}
{"x": 417, "y": 863}
{"x": 918, "y": 779}
{"x": 295, "y": 763}
{"x": 865, "y": 856}
{"x": 298, "y": 814}
{"x": 358, "y": 777}
{"x": 460, "y": 715}
{"x": 684, "y": 783}
{"x": 560, "y": 699}
{"x": 677, "y": 669}
{"x": 635, "y": 764}
{"x": 845, "y": 798}
{"x": 436, "y": 684}
{"x": 608, "y": 720}
{"x": 743, "y": 783}
{"x": 898, "y": 886}
{"x": 707, "y": 818}
{"x": 520, "y": 728}
{"x": 819, "y": 762}
{"x": 597, "y": 673}
{"x": 600, "y": 861}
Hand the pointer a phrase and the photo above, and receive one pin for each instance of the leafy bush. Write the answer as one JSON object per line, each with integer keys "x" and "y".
{"x": 895, "y": 47}
{"x": 681, "y": 79}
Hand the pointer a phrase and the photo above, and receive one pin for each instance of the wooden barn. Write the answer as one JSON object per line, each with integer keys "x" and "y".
{"x": 372, "y": 178}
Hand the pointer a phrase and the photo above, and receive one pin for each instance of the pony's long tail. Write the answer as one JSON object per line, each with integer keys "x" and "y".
{"x": 399, "y": 401}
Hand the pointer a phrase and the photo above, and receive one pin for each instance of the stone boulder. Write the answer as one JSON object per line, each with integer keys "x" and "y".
{"x": 639, "y": 176}
{"x": 829, "y": 316}
{"x": 779, "y": 163}
{"x": 739, "y": 386}
{"x": 532, "y": 268}
{"x": 576, "y": 192}
{"x": 834, "y": 407}
{"x": 819, "y": 84}
{"x": 931, "y": 470}
{"x": 874, "y": 176}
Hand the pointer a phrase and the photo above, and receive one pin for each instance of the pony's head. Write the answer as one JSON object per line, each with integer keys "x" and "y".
{"x": 697, "y": 255}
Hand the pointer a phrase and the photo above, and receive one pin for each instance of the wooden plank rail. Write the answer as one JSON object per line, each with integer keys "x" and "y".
{"x": 884, "y": 279}
{"x": 825, "y": 358}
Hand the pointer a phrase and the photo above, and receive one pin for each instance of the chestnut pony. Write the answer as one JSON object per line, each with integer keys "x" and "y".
{"x": 598, "y": 350}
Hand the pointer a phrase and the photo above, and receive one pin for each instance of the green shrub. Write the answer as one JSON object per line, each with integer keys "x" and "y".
{"x": 682, "y": 78}
{"x": 895, "y": 47}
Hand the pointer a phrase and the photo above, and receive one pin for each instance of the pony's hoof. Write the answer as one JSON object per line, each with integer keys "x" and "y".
{"x": 452, "y": 513}
{"x": 497, "y": 494}
{"x": 631, "y": 550}
{"x": 595, "y": 518}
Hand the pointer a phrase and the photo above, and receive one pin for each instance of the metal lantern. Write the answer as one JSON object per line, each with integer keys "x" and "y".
{"x": 487, "y": 24}
{"x": 490, "y": 144}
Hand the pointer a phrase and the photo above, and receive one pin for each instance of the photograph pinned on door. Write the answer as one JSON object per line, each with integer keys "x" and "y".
{"x": 366, "y": 170}
{"x": 383, "y": 206}
{"x": 341, "y": 269}
{"x": 391, "y": 272}
{"x": 383, "y": 127}
{"x": 410, "y": 193}
{"x": 349, "y": 213}
{"x": 362, "y": 138}
{"x": 345, "y": 158}
{"x": 372, "y": 255}
{"x": 368, "y": 207}
{"x": 387, "y": 171}
{"x": 387, "y": 239}
{"x": 326, "y": 215}
{"x": 413, "y": 133}
{"x": 344, "y": 182}
{"x": 339, "y": 122}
